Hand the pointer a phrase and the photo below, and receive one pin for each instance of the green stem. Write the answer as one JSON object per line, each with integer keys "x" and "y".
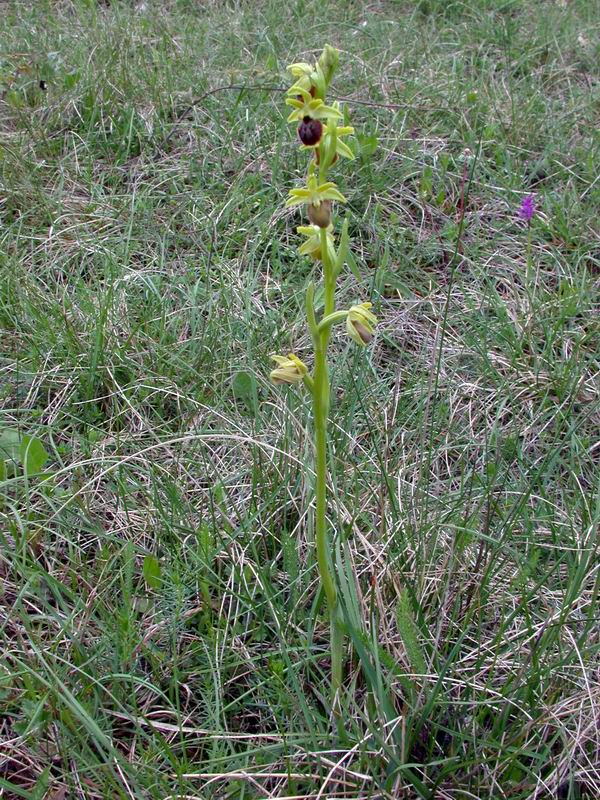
{"x": 529, "y": 269}
{"x": 331, "y": 319}
{"x": 320, "y": 407}
{"x": 321, "y": 413}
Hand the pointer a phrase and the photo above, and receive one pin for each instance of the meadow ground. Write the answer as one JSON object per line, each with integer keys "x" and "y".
{"x": 163, "y": 633}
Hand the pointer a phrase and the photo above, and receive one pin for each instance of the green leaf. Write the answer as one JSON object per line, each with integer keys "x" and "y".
{"x": 343, "y": 249}
{"x": 220, "y": 495}
{"x": 409, "y": 632}
{"x": 368, "y": 144}
{"x": 426, "y": 184}
{"x": 14, "y": 99}
{"x": 13, "y": 790}
{"x": 385, "y": 258}
{"x": 10, "y": 442}
{"x": 33, "y": 455}
{"x": 70, "y": 79}
{"x": 245, "y": 389}
{"x": 353, "y": 266}
{"x": 152, "y": 574}
{"x": 40, "y": 790}
{"x": 205, "y": 541}
{"x": 319, "y": 297}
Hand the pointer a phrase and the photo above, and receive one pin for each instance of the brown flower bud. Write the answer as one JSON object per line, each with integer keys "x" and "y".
{"x": 310, "y": 131}
{"x": 320, "y": 215}
{"x": 365, "y": 335}
{"x": 360, "y": 323}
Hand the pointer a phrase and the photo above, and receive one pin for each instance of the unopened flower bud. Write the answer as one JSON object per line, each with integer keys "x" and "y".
{"x": 328, "y": 61}
{"x": 320, "y": 215}
{"x": 312, "y": 246}
{"x": 289, "y": 369}
{"x": 360, "y": 323}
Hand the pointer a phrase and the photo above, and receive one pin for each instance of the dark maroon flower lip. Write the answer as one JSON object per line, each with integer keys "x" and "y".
{"x": 310, "y": 131}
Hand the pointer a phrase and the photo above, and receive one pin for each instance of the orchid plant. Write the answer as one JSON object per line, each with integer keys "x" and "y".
{"x": 320, "y": 134}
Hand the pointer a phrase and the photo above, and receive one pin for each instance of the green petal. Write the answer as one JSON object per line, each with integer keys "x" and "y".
{"x": 308, "y": 248}
{"x": 343, "y": 150}
{"x": 308, "y": 230}
{"x": 332, "y": 194}
{"x": 294, "y": 201}
{"x": 298, "y": 87}
{"x": 299, "y": 68}
{"x": 303, "y": 193}
{"x": 326, "y": 112}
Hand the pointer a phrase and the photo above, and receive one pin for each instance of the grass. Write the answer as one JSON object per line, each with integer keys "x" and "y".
{"x": 163, "y": 632}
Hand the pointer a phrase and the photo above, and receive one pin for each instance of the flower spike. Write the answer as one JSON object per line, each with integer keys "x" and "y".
{"x": 321, "y": 130}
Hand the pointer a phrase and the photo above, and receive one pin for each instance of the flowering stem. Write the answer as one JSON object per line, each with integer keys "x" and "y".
{"x": 319, "y": 132}
{"x": 529, "y": 270}
{"x": 321, "y": 412}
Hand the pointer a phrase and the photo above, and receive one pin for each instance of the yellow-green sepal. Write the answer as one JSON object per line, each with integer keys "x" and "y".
{"x": 343, "y": 150}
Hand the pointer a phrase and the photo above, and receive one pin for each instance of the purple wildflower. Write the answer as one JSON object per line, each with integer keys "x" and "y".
{"x": 528, "y": 208}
